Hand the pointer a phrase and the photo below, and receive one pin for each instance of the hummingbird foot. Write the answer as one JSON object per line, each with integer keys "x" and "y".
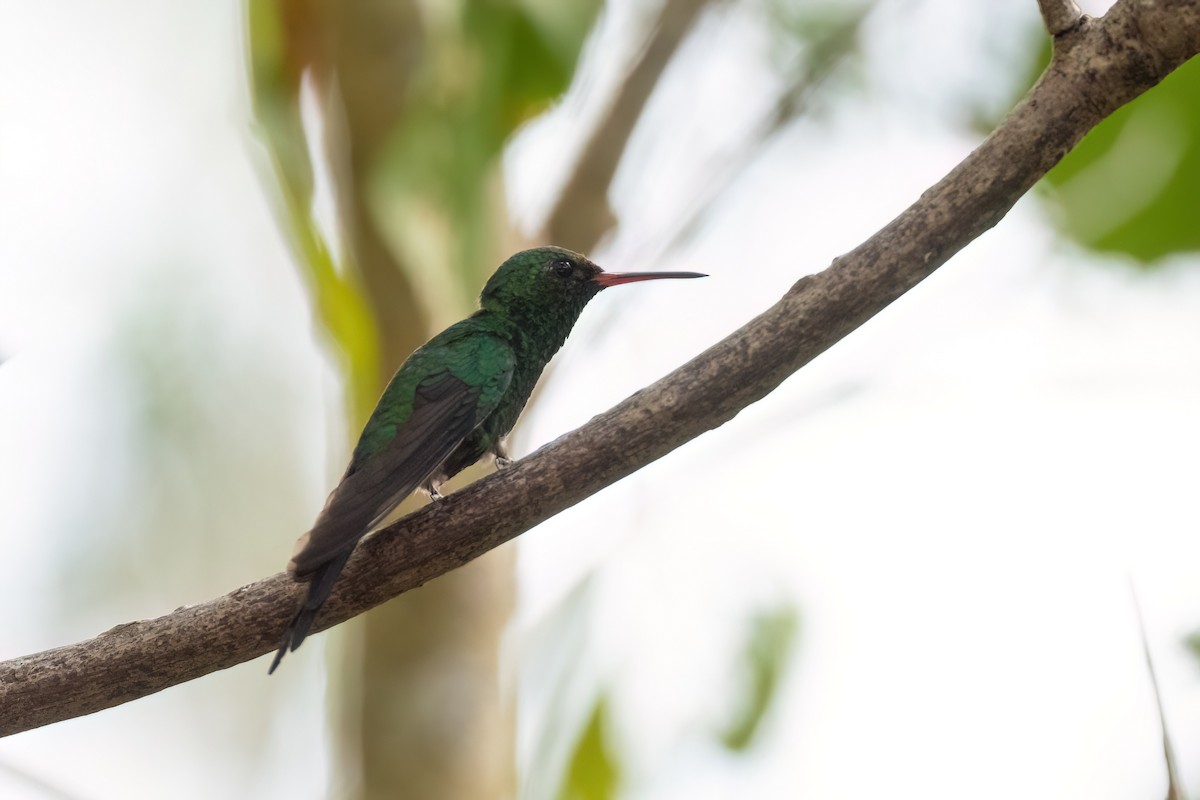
{"x": 500, "y": 451}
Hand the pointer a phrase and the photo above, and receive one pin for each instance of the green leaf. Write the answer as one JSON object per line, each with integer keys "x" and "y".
{"x": 768, "y": 650}
{"x": 594, "y": 771}
{"x": 1192, "y": 643}
{"x": 1132, "y": 186}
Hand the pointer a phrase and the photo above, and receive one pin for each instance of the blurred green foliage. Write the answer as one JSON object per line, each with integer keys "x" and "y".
{"x": 1192, "y": 643}
{"x": 1132, "y": 186}
{"x": 497, "y": 66}
{"x": 275, "y": 82}
{"x": 807, "y": 36}
{"x": 594, "y": 771}
{"x": 766, "y": 659}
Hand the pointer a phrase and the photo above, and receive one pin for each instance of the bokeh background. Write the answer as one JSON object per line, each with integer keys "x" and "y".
{"x": 907, "y": 572}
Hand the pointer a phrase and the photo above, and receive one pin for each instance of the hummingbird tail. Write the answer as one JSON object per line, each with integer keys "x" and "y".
{"x": 320, "y": 585}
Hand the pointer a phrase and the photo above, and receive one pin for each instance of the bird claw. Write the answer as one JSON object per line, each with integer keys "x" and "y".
{"x": 503, "y": 462}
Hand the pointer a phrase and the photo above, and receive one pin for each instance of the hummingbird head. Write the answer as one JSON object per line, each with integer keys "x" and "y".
{"x": 553, "y": 283}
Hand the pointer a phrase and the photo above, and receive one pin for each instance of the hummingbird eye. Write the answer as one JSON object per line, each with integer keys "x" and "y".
{"x": 562, "y": 268}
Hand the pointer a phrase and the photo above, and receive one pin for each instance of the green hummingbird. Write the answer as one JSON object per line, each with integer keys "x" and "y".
{"x": 453, "y": 401}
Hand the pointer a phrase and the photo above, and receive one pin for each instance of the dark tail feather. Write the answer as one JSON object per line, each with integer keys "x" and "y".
{"x": 320, "y": 585}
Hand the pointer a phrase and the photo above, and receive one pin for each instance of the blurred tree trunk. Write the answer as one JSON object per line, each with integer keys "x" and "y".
{"x": 420, "y": 708}
{"x": 416, "y": 110}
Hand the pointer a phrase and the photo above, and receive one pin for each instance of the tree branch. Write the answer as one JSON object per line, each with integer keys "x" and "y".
{"x": 791, "y": 103}
{"x": 1060, "y": 16}
{"x": 581, "y": 214}
{"x": 1114, "y": 59}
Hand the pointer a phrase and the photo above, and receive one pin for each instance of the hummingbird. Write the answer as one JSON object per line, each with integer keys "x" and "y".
{"x": 451, "y": 402}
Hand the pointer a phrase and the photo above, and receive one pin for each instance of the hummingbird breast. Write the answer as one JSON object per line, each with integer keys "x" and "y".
{"x": 532, "y": 351}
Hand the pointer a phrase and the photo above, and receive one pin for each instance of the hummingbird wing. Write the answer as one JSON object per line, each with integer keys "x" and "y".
{"x": 455, "y": 382}
{"x": 396, "y": 456}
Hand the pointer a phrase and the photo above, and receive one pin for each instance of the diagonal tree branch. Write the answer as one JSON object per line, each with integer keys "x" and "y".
{"x": 1111, "y": 61}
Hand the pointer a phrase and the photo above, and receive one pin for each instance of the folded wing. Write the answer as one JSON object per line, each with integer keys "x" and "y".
{"x": 458, "y": 383}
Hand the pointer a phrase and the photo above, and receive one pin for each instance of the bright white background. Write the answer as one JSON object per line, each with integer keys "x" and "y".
{"x": 955, "y": 498}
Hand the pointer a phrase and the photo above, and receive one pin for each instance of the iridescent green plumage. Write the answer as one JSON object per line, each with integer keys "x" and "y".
{"x": 453, "y": 401}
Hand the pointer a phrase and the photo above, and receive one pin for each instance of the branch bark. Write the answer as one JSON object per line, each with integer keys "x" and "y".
{"x": 1109, "y": 62}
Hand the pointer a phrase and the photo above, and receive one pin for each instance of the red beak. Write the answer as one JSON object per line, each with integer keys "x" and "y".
{"x": 606, "y": 279}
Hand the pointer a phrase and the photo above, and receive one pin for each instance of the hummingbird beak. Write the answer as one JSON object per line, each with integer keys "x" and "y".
{"x": 606, "y": 279}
